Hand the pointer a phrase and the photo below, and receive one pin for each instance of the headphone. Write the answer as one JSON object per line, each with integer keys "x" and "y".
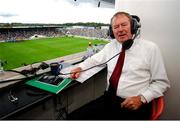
{"x": 135, "y": 25}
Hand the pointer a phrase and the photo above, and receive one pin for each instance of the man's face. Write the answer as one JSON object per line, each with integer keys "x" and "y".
{"x": 121, "y": 28}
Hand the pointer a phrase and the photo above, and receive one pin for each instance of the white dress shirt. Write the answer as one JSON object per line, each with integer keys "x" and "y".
{"x": 143, "y": 72}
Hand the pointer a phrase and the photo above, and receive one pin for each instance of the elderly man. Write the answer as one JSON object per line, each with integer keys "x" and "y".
{"x": 134, "y": 78}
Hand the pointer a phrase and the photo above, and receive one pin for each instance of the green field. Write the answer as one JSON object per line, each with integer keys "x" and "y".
{"x": 32, "y": 51}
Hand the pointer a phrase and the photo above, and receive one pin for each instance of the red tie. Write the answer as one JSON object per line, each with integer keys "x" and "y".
{"x": 114, "y": 79}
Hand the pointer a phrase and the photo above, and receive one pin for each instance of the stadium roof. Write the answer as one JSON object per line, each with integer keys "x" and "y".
{"x": 60, "y": 11}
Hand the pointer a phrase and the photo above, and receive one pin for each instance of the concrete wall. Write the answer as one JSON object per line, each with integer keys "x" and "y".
{"x": 160, "y": 20}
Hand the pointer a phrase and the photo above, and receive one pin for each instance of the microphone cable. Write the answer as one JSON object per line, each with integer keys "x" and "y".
{"x": 99, "y": 65}
{"x": 127, "y": 44}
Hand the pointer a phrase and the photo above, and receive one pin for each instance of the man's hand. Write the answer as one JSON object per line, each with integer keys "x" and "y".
{"x": 75, "y": 73}
{"x": 132, "y": 103}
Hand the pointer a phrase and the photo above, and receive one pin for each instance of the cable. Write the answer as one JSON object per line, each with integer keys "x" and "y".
{"x": 127, "y": 47}
{"x": 93, "y": 66}
{"x": 17, "y": 72}
{"x": 11, "y": 80}
{"x": 24, "y": 78}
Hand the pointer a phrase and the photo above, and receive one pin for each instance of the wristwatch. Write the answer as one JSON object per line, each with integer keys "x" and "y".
{"x": 143, "y": 100}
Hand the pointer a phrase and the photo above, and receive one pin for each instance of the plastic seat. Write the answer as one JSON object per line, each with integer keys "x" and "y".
{"x": 157, "y": 108}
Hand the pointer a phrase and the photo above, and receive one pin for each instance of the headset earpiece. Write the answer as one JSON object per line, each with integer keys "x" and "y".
{"x": 135, "y": 25}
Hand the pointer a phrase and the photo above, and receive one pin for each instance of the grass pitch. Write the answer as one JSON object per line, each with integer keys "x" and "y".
{"x": 32, "y": 51}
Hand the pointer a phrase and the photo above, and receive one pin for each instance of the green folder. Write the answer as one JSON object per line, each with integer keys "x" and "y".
{"x": 49, "y": 87}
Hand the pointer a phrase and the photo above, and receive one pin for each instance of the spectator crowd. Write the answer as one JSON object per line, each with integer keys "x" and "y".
{"x": 17, "y": 34}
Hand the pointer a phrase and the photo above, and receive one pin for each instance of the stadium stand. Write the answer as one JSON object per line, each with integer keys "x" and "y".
{"x": 25, "y": 33}
{"x": 17, "y": 34}
{"x": 90, "y": 32}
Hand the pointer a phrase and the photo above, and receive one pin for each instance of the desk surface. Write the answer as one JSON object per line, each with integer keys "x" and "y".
{"x": 26, "y": 97}
{"x": 29, "y": 96}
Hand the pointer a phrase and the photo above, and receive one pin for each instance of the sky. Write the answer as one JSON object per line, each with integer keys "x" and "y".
{"x": 55, "y": 11}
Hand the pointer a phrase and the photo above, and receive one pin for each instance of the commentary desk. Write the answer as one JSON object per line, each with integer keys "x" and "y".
{"x": 34, "y": 103}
